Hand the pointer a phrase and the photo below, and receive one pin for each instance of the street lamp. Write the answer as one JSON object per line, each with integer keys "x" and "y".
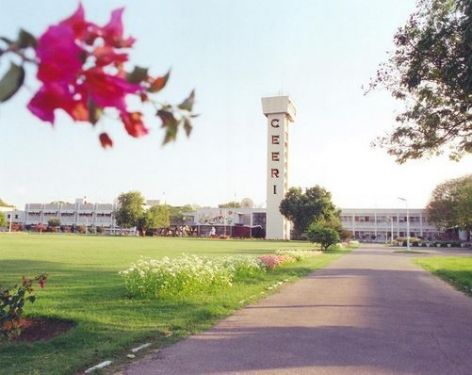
{"x": 407, "y": 223}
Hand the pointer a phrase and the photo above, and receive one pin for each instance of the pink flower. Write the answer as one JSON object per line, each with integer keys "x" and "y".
{"x": 52, "y": 96}
{"x": 112, "y": 32}
{"x": 134, "y": 124}
{"x": 59, "y": 55}
{"x": 107, "y": 90}
{"x": 106, "y": 55}
{"x": 77, "y": 22}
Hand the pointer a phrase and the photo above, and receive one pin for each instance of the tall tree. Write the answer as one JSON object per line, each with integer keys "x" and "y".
{"x": 430, "y": 70}
{"x": 177, "y": 213}
{"x": 130, "y": 209}
{"x": 451, "y": 204}
{"x": 158, "y": 216}
{"x": 303, "y": 208}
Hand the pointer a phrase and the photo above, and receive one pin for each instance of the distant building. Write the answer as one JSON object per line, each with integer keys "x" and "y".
{"x": 69, "y": 214}
{"x": 383, "y": 224}
{"x": 365, "y": 224}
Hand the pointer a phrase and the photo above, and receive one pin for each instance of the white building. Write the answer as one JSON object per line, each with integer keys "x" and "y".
{"x": 228, "y": 216}
{"x": 382, "y": 224}
{"x": 69, "y": 214}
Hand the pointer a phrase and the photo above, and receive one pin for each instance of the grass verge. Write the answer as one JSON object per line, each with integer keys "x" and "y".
{"x": 84, "y": 286}
{"x": 455, "y": 270}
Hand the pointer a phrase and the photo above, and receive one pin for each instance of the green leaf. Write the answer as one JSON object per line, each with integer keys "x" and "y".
{"x": 159, "y": 83}
{"x": 11, "y": 82}
{"x": 6, "y": 40}
{"x": 187, "y": 126}
{"x": 170, "y": 123}
{"x": 26, "y": 39}
{"x": 187, "y": 104}
{"x": 138, "y": 75}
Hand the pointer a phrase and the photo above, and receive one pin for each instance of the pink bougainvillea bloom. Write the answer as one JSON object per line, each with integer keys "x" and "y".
{"x": 76, "y": 22}
{"x": 108, "y": 90}
{"x": 54, "y": 96}
{"x": 112, "y": 32}
{"x": 106, "y": 55}
{"x": 58, "y": 54}
{"x": 105, "y": 140}
{"x": 50, "y": 97}
{"x": 134, "y": 123}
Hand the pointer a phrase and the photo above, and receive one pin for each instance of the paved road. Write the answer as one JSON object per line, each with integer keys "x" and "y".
{"x": 369, "y": 312}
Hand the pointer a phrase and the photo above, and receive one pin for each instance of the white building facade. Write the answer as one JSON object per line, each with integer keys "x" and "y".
{"x": 280, "y": 112}
{"x": 71, "y": 214}
{"x": 383, "y": 224}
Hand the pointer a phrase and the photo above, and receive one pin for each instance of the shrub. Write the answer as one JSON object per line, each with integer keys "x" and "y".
{"x": 297, "y": 254}
{"x": 323, "y": 235}
{"x": 243, "y": 266}
{"x": 185, "y": 274}
{"x": 54, "y": 222}
{"x": 12, "y": 302}
{"x": 192, "y": 273}
{"x": 273, "y": 261}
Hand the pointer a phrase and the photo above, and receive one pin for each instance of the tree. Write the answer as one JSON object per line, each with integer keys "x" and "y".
{"x": 3, "y": 220}
{"x": 451, "y": 204}
{"x": 155, "y": 217}
{"x": 430, "y": 70}
{"x": 176, "y": 213}
{"x": 322, "y": 234}
{"x": 158, "y": 216}
{"x": 303, "y": 208}
{"x": 231, "y": 204}
{"x": 130, "y": 209}
{"x": 4, "y": 204}
{"x": 54, "y": 222}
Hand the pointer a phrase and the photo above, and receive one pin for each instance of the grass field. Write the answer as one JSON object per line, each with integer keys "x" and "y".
{"x": 84, "y": 286}
{"x": 455, "y": 270}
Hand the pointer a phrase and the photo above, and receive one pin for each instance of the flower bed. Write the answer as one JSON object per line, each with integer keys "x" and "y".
{"x": 192, "y": 273}
{"x": 298, "y": 254}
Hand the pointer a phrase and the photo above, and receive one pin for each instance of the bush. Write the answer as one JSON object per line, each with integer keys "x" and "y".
{"x": 297, "y": 254}
{"x": 323, "y": 235}
{"x": 186, "y": 274}
{"x": 273, "y": 261}
{"x": 192, "y": 273}
{"x": 241, "y": 266}
{"x": 12, "y": 302}
{"x": 54, "y": 222}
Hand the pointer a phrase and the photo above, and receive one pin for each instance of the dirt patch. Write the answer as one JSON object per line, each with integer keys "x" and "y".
{"x": 42, "y": 329}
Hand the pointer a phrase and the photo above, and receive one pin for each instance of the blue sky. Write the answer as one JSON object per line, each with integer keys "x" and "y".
{"x": 233, "y": 53}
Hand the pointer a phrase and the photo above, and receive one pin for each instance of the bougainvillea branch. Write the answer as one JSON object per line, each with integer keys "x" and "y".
{"x": 82, "y": 68}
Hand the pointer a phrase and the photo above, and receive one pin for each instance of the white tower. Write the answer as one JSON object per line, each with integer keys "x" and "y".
{"x": 279, "y": 111}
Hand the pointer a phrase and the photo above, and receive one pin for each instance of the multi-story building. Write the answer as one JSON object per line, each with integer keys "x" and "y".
{"x": 69, "y": 214}
{"x": 383, "y": 224}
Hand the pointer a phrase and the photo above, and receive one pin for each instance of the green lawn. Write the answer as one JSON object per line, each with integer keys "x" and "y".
{"x": 455, "y": 270}
{"x": 84, "y": 286}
